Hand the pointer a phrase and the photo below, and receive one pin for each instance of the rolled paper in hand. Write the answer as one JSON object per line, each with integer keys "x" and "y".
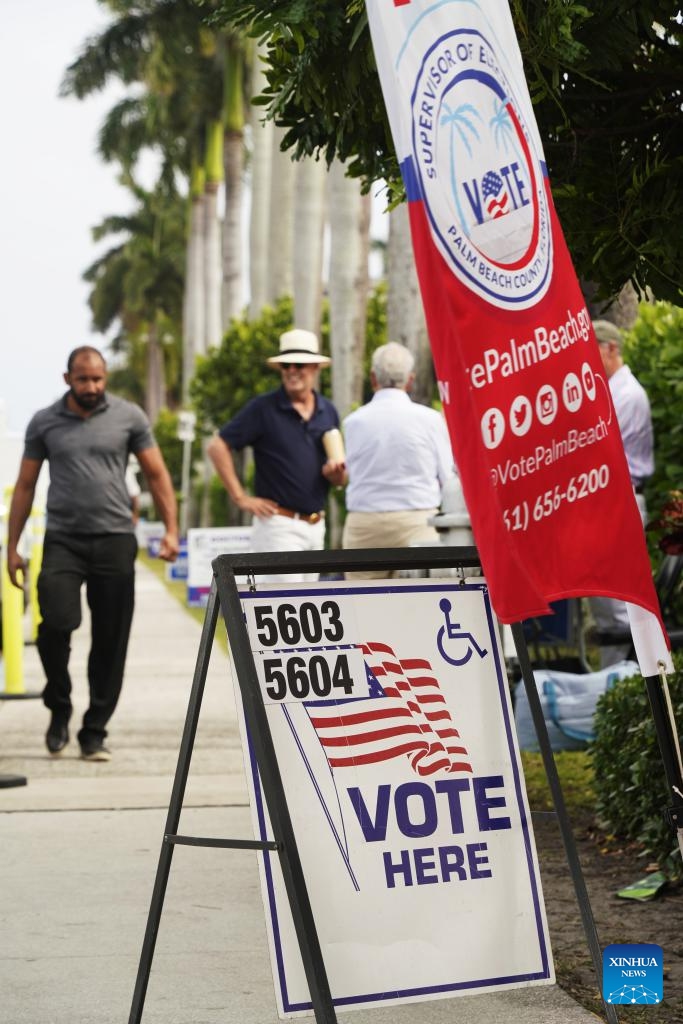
{"x": 333, "y": 443}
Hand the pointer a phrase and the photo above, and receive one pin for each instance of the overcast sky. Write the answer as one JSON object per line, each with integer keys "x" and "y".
{"x": 53, "y": 189}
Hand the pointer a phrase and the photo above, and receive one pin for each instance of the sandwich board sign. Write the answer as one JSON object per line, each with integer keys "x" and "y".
{"x": 390, "y": 714}
{"x": 203, "y": 545}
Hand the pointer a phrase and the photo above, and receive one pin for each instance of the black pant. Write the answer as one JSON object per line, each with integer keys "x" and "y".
{"x": 106, "y": 564}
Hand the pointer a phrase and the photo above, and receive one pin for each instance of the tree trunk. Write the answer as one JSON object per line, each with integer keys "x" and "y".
{"x": 309, "y": 223}
{"x": 233, "y": 162}
{"x": 259, "y": 218}
{"x": 212, "y": 258}
{"x": 349, "y": 218}
{"x": 281, "y": 221}
{"x": 405, "y": 315}
{"x": 193, "y": 299}
{"x": 156, "y": 384}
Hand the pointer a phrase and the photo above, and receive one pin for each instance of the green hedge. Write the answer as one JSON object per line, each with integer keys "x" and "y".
{"x": 629, "y": 780}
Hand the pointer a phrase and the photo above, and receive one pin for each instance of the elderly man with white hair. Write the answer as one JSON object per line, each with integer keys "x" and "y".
{"x": 398, "y": 456}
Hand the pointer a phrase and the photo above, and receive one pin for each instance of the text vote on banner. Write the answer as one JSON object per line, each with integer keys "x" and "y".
{"x": 532, "y": 425}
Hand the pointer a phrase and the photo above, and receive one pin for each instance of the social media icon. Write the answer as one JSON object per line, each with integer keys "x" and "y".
{"x": 588, "y": 379}
{"x": 546, "y": 404}
{"x": 572, "y": 393}
{"x": 520, "y": 415}
{"x": 492, "y": 427}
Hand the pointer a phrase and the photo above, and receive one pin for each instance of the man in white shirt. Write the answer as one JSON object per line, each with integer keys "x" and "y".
{"x": 632, "y": 407}
{"x": 398, "y": 456}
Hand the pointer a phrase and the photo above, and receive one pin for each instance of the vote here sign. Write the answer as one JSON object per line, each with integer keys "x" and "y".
{"x": 390, "y": 714}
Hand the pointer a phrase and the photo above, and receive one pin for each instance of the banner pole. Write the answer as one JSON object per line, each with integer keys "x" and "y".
{"x": 657, "y": 688}
{"x": 561, "y": 810}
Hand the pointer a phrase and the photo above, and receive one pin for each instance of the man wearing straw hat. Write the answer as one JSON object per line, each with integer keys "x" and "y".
{"x": 285, "y": 429}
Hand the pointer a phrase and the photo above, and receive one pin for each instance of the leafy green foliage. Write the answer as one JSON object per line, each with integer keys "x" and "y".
{"x": 576, "y": 777}
{"x": 628, "y": 774}
{"x": 236, "y": 371}
{"x": 605, "y": 80}
{"x": 654, "y": 351}
{"x": 230, "y": 375}
{"x": 137, "y": 284}
{"x": 165, "y": 46}
{"x": 166, "y": 434}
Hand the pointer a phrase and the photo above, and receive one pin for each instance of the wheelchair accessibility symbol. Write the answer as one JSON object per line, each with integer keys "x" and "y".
{"x": 451, "y": 632}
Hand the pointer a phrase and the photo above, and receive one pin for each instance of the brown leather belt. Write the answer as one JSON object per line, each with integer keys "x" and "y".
{"x": 305, "y": 517}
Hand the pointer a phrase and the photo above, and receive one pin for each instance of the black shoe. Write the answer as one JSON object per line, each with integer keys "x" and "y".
{"x": 94, "y": 750}
{"x": 57, "y": 736}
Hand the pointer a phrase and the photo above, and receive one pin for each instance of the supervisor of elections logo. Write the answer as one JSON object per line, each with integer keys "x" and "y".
{"x": 480, "y": 176}
{"x": 633, "y": 974}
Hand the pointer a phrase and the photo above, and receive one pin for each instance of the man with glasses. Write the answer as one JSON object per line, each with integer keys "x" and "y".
{"x": 285, "y": 430}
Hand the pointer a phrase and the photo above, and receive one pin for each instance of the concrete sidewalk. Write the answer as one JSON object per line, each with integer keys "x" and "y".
{"x": 79, "y": 847}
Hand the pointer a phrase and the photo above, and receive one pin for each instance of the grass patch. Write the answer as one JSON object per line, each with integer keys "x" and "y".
{"x": 178, "y": 590}
{"x": 576, "y": 778}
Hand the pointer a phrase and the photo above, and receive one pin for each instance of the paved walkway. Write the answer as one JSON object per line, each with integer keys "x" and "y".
{"x": 79, "y": 847}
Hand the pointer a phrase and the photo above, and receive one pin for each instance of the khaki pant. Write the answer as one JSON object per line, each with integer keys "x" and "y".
{"x": 387, "y": 530}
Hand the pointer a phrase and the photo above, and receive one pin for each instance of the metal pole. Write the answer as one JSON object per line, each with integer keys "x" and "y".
{"x": 568, "y": 840}
{"x": 185, "y": 487}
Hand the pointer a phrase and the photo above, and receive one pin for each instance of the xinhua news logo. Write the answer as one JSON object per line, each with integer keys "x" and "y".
{"x": 633, "y": 974}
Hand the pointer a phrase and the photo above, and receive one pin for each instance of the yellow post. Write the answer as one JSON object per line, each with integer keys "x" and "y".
{"x": 34, "y": 562}
{"x": 12, "y": 624}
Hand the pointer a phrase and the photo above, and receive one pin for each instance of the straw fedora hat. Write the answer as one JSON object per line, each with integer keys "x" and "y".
{"x": 299, "y": 346}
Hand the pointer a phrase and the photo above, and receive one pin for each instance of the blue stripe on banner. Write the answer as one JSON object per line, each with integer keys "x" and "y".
{"x": 411, "y": 180}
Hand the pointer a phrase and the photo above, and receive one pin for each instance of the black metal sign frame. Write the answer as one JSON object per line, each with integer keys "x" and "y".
{"x": 224, "y": 597}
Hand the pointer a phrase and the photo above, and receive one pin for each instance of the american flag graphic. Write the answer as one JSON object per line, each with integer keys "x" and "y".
{"x": 495, "y": 195}
{"x": 404, "y": 714}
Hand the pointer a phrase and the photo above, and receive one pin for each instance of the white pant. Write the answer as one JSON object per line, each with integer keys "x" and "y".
{"x": 278, "y": 533}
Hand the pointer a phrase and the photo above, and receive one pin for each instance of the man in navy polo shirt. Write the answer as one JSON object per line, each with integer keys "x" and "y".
{"x": 285, "y": 429}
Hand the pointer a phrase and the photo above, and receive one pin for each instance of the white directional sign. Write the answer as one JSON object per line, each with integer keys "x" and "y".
{"x": 391, "y": 719}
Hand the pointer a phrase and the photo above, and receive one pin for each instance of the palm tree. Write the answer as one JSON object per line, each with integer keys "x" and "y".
{"x": 166, "y": 46}
{"x": 233, "y": 49}
{"x": 280, "y": 281}
{"x": 348, "y": 286}
{"x": 461, "y": 122}
{"x": 405, "y": 314}
{"x": 259, "y": 220}
{"x": 137, "y": 285}
{"x": 501, "y": 125}
{"x": 307, "y": 253}
{"x": 213, "y": 167}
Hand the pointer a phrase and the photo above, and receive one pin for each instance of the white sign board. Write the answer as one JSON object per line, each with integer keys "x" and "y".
{"x": 390, "y": 714}
{"x": 203, "y": 545}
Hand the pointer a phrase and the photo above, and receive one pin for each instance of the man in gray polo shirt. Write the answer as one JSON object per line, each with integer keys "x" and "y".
{"x": 87, "y": 437}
